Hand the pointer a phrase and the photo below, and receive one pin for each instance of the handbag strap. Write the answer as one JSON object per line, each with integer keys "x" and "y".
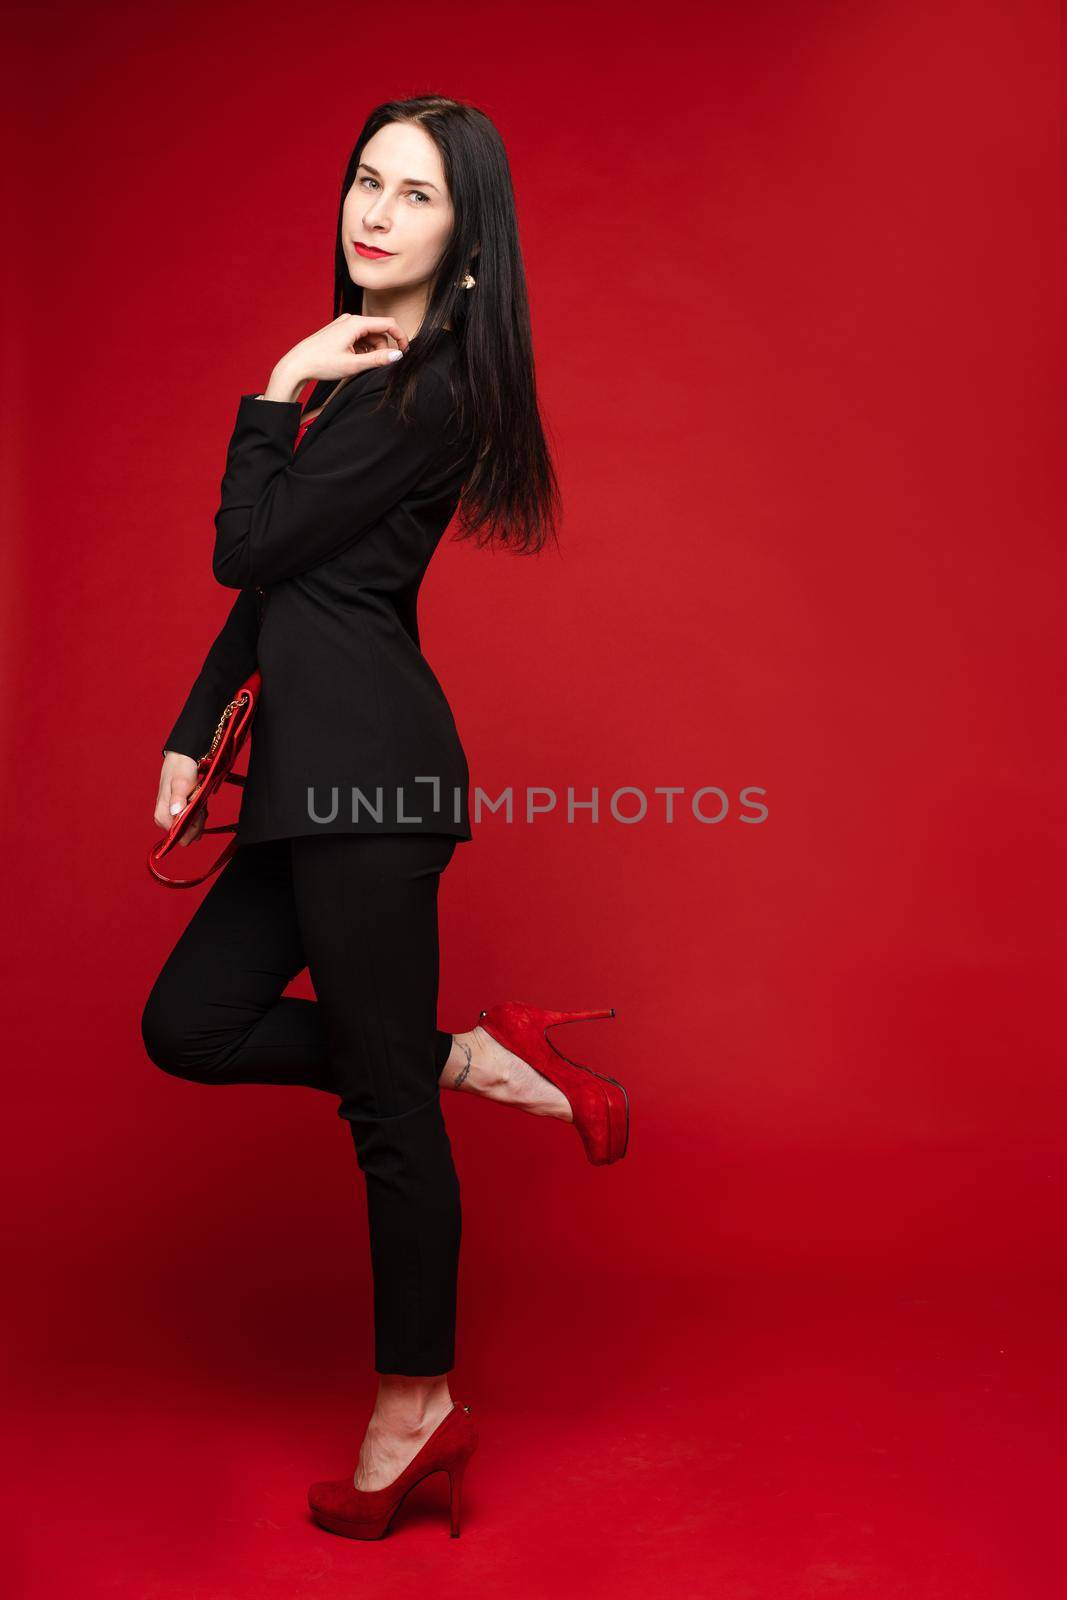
{"x": 220, "y": 861}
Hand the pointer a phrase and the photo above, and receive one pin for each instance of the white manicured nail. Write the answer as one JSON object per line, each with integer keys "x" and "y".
{"x": 394, "y": 355}
{"x": 175, "y": 808}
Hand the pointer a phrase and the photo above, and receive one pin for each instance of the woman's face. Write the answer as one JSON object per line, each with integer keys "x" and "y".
{"x": 398, "y": 203}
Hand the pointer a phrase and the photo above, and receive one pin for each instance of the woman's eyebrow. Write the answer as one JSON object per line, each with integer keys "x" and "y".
{"x": 419, "y": 183}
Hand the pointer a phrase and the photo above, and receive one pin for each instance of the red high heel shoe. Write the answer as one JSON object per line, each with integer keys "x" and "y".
{"x": 600, "y": 1105}
{"x": 338, "y": 1505}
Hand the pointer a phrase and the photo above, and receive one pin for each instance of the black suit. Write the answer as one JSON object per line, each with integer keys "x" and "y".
{"x": 338, "y": 537}
{"x": 328, "y": 548}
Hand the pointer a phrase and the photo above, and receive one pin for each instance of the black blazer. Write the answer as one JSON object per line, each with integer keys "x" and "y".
{"x": 328, "y": 548}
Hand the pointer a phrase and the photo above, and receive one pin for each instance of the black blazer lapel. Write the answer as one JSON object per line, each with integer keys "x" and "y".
{"x": 374, "y": 377}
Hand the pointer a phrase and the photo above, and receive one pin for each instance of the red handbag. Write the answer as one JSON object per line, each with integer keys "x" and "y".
{"x": 212, "y": 771}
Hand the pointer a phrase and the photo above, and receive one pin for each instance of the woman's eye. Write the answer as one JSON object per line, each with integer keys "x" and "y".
{"x": 424, "y": 198}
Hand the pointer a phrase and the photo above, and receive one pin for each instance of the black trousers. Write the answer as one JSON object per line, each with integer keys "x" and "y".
{"x": 360, "y": 912}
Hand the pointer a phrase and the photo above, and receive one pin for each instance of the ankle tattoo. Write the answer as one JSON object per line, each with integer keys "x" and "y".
{"x": 463, "y": 1073}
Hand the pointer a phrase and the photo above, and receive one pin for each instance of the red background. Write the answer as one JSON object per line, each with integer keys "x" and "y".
{"x": 794, "y": 272}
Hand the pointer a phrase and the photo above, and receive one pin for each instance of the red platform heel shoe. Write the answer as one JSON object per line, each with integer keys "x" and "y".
{"x": 338, "y": 1505}
{"x": 600, "y": 1105}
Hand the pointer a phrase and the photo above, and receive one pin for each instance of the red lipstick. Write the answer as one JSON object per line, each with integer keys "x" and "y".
{"x": 371, "y": 251}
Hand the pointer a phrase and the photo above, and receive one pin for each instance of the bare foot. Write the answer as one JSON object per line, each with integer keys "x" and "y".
{"x": 478, "y": 1064}
{"x": 396, "y": 1432}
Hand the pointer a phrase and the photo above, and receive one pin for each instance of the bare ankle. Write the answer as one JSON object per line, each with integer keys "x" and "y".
{"x": 407, "y": 1406}
{"x": 457, "y": 1069}
{"x": 473, "y": 1064}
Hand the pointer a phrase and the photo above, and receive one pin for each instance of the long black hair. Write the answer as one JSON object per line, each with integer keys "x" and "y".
{"x": 511, "y": 493}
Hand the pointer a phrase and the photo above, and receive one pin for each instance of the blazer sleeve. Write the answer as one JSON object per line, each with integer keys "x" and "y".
{"x": 227, "y": 664}
{"x": 283, "y": 514}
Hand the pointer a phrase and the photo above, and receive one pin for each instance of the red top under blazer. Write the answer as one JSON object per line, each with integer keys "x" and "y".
{"x": 328, "y": 545}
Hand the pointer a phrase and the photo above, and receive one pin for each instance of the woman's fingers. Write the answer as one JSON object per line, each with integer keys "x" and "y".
{"x": 163, "y": 815}
{"x": 384, "y": 325}
{"x": 195, "y": 828}
{"x": 346, "y": 346}
{"x": 349, "y": 344}
{"x": 362, "y": 361}
{"x": 175, "y": 787}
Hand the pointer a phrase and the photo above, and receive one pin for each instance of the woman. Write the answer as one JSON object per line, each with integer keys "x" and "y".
{"x": 356, "y": 793}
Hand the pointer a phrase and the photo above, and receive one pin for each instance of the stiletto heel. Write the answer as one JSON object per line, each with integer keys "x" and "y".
{"x": 455, "y": 1487}
{"x": 338, "y": 1505}
{"x": 578, "y": 1016}
{"x": 599, "y": 1104}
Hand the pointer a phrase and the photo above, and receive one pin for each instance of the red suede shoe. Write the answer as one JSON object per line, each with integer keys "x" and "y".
{"x": 338, "y": 1505}
{"x": 600, "y": 1105}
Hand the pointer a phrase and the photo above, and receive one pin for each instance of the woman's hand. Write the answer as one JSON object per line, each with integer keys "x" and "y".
{"x": 348, "y": 345}
{"x": 176, "y": 783}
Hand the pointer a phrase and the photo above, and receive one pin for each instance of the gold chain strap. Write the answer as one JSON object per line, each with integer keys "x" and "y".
{"x": 226, "y": 715}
